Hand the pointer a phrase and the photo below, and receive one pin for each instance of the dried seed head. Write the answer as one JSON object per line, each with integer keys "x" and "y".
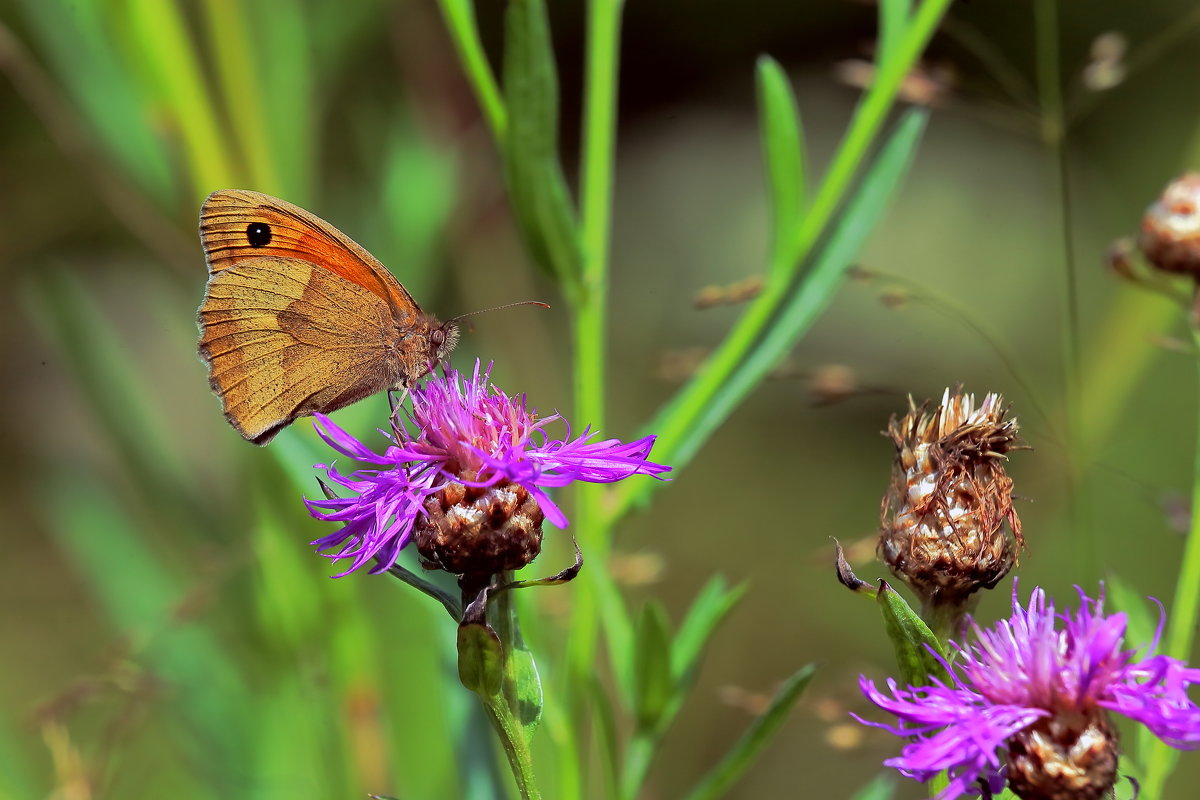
{"x": 944, "y": 518}
{"x": 1170, "y": 237}
{"x": 480, "y": 530}
{"x": 1069, "y": 756}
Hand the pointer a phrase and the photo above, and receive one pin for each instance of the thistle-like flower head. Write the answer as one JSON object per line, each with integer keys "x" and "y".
{"x": 1030, "y": 703}
{"x": 467, "y": 478}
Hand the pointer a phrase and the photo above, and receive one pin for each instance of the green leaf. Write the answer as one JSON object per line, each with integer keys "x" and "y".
{"x": 783, "y": 158}
{"x": 710, "y": 607}
{"x": 522, "y": 683}
{"x": 524, "y": 686}
{"x": 881, "y": 788}
{"x": 813, "y": 293}
{"x": 909, "y": 635}
{"x": 653, "y": 685}
{"x": 747, "y": 748}
{"x": 893, "y": 22}
{"x": 480, "y": 659}
{"x": 708, "y": 610}
{"x": 540, "y": 199}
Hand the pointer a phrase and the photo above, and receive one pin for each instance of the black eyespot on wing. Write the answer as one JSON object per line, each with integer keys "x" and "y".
{"x": 258, "y": 234}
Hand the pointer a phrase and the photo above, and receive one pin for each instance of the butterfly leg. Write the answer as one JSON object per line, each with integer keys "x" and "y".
{"x": 397, "y": 405}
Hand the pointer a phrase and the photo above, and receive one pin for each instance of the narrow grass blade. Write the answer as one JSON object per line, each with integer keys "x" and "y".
{"x": 652, "y": 680}
{"x": 536, "y": 184}
{"x": 118, "y": 394}
{"x": 709, "y": 609}
{"x": 605, "y": 735}
{"x": 289, "y": 618}
{"x": 810, "y": 297}
{"x": 142, "y": 597}
{"x": 783, "y": 159}
{"x": 418, "y": 186}
{"x": 80, "y": 47}
{"x": 893, "y": 22}
{"x": 238, "y": 56}
{"x": 747, "y": 748}
{"x": 294, "y": 744}
{"x": 361, "y": 687}
{"x": 158, "y": 40}
{"x": 15, "y": 778}
{"x": 292, "y": 113}
{"x": 460, "y": 21}
{"x": 882, "y": 788}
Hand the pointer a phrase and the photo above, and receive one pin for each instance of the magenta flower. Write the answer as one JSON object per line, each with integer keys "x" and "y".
{"x": 465, "y": 437}
{"x": 1030, "y": 704}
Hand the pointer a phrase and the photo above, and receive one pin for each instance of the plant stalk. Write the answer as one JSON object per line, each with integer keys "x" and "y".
{"x": 1158, "y": 758}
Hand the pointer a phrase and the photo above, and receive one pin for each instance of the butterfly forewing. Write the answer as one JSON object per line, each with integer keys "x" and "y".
{"x": 238, "y": 224}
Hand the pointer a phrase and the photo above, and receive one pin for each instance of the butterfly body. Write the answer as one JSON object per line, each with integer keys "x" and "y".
{"x": 297, "y": 318}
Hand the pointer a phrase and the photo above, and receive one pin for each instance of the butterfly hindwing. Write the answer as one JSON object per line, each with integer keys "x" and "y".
{"x": 284, "y": 338}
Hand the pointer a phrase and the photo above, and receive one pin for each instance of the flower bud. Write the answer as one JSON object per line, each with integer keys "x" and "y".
{"x": 944, "y": 518}
{"x": 1170, "y": 237}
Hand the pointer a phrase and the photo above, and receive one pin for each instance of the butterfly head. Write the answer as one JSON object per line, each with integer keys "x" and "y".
{"x": 442, "y": 341}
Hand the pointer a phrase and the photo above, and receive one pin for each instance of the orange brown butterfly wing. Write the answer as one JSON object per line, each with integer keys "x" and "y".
{"x": 285, "y": 338}
{"x": 238, "y": 224}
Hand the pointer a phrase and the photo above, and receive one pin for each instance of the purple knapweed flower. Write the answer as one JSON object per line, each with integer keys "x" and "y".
{"x": 1030, "y": 703}
{"x": 467, "y": 479}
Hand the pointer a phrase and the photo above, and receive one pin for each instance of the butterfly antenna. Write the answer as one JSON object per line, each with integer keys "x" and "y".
{"x": 497, "y": 308}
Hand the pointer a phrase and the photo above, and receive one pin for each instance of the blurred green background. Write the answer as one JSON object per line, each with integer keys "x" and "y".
{"x": 167, "y": 630}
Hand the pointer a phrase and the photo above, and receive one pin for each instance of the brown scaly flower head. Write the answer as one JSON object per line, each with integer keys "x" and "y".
{"x": 1170, "y": 236}
{"x": 948, "y": 523}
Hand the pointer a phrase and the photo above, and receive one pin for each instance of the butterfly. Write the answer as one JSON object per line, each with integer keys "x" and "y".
{"x": 298, "y": 318}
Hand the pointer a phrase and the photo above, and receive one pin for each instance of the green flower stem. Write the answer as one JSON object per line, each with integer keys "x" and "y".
{"x": 460, "y": 21}
{"x": 1181, "y": 629}
{"x": 1053, "y": 129}
{"x": 520, "y": 760}
{"x": 500, "y": 707}
{"x": 868, "y": 120}
{"x": 595, "y": 211}
{"x": 590, "y": 317}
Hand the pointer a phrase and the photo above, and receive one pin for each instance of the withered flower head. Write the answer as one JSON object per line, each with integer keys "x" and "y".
{"x": 1170, "y": 237}
{"x": 948, "y": 523}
